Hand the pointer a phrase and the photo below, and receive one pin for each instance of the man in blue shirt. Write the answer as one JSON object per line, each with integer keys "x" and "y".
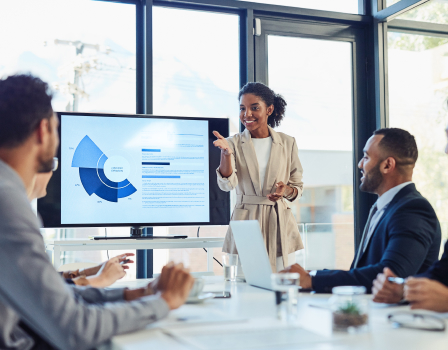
{"x": 402, "y": 230}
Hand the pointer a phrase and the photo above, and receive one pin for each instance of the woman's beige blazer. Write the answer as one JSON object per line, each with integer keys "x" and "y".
{"x": 278, "y": 225}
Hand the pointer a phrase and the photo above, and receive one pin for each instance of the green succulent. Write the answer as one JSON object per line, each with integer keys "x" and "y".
{"x": 349, "y": 308}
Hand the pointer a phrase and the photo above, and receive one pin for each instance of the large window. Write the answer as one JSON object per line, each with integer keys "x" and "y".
{"x": 196, "y": 64}
{"x": 87, "y": 51}
{"x": 418, "y": 95}
{"x": 87, "y": 56}
{"x": 319, "y": 115}
{"x": 196, "y": 73}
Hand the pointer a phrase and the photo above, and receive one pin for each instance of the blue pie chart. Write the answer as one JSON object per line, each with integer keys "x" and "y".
{"x": 92, "y": 163}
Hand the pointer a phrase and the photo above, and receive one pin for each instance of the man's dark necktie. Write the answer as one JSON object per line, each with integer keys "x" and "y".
{"x": 364, "y": 240}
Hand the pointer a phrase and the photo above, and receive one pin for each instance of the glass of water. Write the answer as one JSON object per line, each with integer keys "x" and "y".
{"x": 230, "y": 264}
{"x": 287, "y": 283}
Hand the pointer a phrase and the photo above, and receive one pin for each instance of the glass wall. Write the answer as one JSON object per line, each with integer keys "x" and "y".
{"x": 87, "y": 57}
{"x": 318, "y": 91}
{"x": 196, "y": 64}
{"x": 418, "y": 94}
{"x": 196, "y": 74}
{"x": 87, "y": 51}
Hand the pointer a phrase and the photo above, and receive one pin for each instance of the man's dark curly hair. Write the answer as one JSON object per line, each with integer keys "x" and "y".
{"x": 25, "y": 101}
{"x": 270, "y": 98}
{"x": 399, "y": 144}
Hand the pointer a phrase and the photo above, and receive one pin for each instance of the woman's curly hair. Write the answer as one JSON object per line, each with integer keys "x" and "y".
{"x": 270, "y": 98}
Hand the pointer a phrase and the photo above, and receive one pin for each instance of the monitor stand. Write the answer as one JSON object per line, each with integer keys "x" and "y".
{"x": 137, "y": 231}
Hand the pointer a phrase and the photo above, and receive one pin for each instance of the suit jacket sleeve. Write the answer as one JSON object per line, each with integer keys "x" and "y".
{"x": 439, "y": 270}
{"x": 228, "y": 183}
{"x": 296, "y": 173}
{"x": 41, "y": 298}
{"x": 410, "y": 235}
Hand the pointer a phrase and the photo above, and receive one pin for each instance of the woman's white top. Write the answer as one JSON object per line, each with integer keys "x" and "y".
{"x": 263, "y": 152}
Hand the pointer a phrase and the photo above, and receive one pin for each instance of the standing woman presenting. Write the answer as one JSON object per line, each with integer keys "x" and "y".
{"x": 264, "y": 167}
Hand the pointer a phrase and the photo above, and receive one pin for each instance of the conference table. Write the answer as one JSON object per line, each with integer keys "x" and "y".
{"x": 248, "y": 320}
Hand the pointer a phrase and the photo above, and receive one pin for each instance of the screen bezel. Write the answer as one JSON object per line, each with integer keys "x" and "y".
{"x": 49, "y": 207}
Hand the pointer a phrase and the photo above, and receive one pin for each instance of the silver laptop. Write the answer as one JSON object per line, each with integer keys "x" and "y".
{"x": 252, "y": 253}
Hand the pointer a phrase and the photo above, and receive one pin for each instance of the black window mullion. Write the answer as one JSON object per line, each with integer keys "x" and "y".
{"x": 144, "y": 105}
{"x": 149, "y": 58}
{"x": 140, "y": 58}
{"x": 144, "y": 59}
{"x": 247, "y": 73}
{"x": 416, "y": 27}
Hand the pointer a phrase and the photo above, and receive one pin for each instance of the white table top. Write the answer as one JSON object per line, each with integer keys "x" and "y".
{"x": 83, "y": 241}
{"x": 248, "y": 320}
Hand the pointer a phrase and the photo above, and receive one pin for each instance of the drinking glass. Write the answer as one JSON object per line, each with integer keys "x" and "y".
{"x": 289, "y": 284}
{"x": 230, "y": 265}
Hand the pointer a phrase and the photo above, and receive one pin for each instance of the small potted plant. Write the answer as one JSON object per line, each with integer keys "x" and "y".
{"x": 350, "y": 309}
{"x": 349, "y": 315}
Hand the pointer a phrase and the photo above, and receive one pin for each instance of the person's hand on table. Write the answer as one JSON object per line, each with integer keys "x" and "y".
{"x": 152, "y": 288}
{"x": 423, "y": 293}
{"x": 222, "y": 144}
{"x": 385, "y": 291}
{"x": 305, "y": 278}
{"x": 174, "y": 284}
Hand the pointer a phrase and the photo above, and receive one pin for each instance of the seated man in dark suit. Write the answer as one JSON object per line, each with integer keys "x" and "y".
{"x": 428, "y": 290}
{"x": 402, "y": 231}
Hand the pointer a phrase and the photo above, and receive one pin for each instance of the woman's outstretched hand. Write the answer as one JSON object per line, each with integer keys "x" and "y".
{"x": 279, "y": 192}
{"x": 222, "y": 144}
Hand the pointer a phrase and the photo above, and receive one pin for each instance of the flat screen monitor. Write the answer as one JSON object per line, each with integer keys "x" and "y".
{"x": 135, "y": 170}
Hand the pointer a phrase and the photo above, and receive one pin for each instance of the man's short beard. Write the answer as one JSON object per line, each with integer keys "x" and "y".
{"x": 45, "y": 166}
{"x": 372, "y": 180}
{"x": 46, "y": 160}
